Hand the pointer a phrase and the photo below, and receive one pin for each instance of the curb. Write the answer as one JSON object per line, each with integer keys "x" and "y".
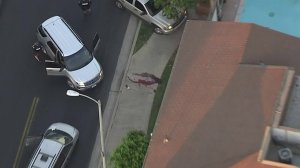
{"x": 125, "y": 55}
{"x": 115, "y": 107}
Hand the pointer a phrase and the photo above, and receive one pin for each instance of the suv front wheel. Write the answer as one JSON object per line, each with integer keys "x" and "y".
{"x": 119, "y": 5}
{"x": 158, "y": 30}
{"x": 70, "y": 84}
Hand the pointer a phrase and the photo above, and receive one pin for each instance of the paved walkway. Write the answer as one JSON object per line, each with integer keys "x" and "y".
{"x": 131, "y": 102}
{"x": 135, "y": 101}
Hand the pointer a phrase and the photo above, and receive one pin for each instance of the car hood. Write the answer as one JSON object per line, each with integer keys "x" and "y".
{"x": 86, "y": 73}
{"x": 164, "y": 19}
{"x": 72, "y": 131}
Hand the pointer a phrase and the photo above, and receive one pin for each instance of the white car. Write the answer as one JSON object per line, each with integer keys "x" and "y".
{"x": 146, "y": 10}
{"x": 56, "y": 147}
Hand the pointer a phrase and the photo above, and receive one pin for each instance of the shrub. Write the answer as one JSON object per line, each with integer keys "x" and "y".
{"x": 131, "y": 152}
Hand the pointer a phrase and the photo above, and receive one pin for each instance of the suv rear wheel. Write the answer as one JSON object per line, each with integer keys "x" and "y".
{"x": 119, "y": 5}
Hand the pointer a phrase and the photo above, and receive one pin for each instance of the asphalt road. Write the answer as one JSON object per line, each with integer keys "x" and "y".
{"x": 30, "y": 100}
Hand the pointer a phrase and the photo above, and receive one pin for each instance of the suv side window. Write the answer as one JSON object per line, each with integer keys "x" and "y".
{"x": 52, "y": 47}
{"x": 66, "y": 150}
{"x": 139, "y": 6}
{"x": 129, "y": 1}
{"x": 63, "y": 156}
{"x": 59, "y": 162}
{"x": 41, "y": 31}
{"x": 60, "y": 58}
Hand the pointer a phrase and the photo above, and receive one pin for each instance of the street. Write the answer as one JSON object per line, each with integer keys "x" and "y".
{"x": 25, "y": 83}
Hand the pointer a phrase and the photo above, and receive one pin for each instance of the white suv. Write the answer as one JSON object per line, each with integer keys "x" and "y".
{"x": 56, "y": 147}
{"x": 146, "y": 10}
{"x": 67, "y": 55}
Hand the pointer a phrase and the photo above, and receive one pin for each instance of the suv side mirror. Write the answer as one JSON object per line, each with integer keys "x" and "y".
{"x": 95, "y": 43}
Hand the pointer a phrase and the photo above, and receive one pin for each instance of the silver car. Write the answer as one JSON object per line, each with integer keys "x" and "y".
{"x": 56, "y": 147}
{"x": 146, "y": 10}
{"x": 66, "y": 55}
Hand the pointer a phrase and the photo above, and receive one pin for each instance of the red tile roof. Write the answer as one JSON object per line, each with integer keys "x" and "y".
{"x": 215, "y": 110}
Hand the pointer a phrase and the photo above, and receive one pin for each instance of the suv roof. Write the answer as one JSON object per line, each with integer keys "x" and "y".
{"x": 47, "y": 153}
{"x": 63, "y": 35}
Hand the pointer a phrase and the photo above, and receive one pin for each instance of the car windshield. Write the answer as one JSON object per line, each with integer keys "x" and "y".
{"x": 151, "y": 8}
{"x": 58, "y": 136}
{"x": 78, "y": 60}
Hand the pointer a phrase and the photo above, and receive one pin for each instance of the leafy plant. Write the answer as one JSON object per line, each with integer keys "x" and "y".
{"x": 131, "y": 152}
{"x": 172, "y": 8}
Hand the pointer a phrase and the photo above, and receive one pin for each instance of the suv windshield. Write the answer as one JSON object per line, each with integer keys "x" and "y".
{"x": 151, "y": 8}
{"x": 78, "y": 60}
{"x": 58, "y": 136}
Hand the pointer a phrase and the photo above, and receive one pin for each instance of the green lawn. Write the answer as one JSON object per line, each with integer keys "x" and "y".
{"x": 145, "y": 32}
{"x": 159, "y": 94}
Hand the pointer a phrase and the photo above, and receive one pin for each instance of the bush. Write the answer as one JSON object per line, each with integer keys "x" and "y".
{"x": 131, "y": 152}
{"x": 172, "y": 8}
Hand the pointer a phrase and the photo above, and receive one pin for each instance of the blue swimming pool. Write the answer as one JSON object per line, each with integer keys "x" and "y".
{"x": 280, "y": 15}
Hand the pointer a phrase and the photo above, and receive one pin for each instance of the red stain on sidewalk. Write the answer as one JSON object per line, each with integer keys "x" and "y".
{"x": 144, "y": 78}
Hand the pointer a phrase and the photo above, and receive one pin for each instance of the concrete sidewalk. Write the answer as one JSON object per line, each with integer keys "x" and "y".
{"x": 135, "y": 100}
{"x": 130, "y": 101}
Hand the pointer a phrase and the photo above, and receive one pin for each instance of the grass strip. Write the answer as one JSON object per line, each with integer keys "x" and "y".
{"x": 159, "y": 93}
{"x": 145, "y": 33}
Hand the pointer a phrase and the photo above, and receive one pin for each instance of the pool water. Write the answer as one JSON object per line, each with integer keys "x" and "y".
{"x": 280, "y": 15}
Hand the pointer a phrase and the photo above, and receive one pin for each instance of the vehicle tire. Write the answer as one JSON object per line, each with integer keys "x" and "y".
{"x": 70, "y": 84}
{"x": 119, "y": 5}
{"x": 158, "y": 30}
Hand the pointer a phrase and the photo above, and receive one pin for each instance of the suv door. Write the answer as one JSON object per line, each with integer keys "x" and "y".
{"x": 51, "y": 50}
{"x": 141, "y": 11}
{"x": 55, "y": 68}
